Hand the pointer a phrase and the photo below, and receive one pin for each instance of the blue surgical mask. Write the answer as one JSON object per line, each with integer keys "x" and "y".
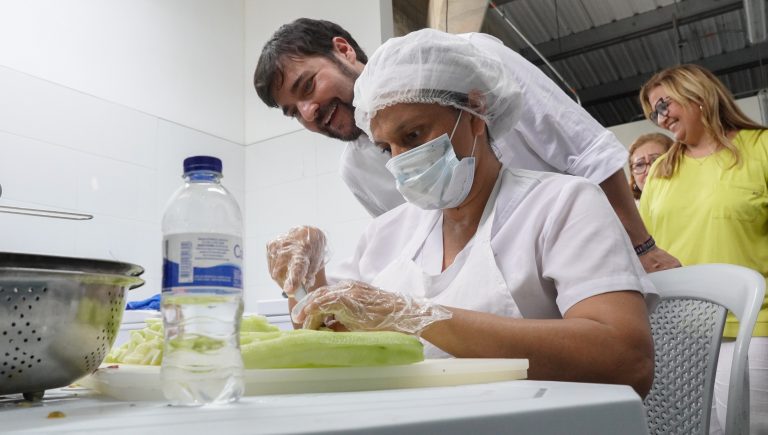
{"x": 431, "y": 177}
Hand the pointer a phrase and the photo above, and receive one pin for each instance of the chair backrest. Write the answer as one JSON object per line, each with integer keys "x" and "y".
{"x": 687, "y": 326}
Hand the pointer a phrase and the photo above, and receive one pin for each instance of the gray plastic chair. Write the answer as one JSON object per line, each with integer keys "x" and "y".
{"x": 687, "y": 326}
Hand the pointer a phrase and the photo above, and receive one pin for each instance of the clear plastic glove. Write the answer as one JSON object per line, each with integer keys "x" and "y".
{"x": 295, "y": 258}
{"x": 358, "y": 306}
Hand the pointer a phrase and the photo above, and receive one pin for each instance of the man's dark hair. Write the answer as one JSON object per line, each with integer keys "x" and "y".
{"x": 301, "y": 38}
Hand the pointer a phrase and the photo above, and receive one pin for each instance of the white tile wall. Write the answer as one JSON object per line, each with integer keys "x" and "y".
{"x": 293, "y": 180}
{"x": 65, "y": 150}
{"x": 114, "y": 238}
{"x": 115, "y": 188}
{"x": 335, "y": 202}
{"x": 180, "y": 60}
{"x": 343, "y": 238}
{"x": 105, "y": 131}
{"x": 54, "y": 114}
{"x": 175, "y": 143}
{"x": 48, "y": 181}
{"x": 36, "y": 235}
{"x": 286, "y": 158}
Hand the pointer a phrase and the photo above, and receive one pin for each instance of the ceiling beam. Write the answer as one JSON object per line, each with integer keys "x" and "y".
{"x": 501, "y": 2}
{"x": 639, "y": 25}
{"x": 720, "y": 64}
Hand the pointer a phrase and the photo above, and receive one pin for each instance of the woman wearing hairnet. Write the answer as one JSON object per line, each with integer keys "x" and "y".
{"x": 482, "y": 261}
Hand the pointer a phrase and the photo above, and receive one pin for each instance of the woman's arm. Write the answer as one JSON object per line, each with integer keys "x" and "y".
{"x": 603, "y": 339}
{"x": 619, "y": 195}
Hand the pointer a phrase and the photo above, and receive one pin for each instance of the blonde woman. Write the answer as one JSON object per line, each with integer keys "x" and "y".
{"x": 642, "y": 153}
{"x": 707, "y": 201}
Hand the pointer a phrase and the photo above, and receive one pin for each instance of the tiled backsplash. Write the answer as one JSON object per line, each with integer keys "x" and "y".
{"x": 293, "y": 180}
{"x": 65, "y": 150}
{"x": 66, "y": 144}
{"x": 62, "y": 149}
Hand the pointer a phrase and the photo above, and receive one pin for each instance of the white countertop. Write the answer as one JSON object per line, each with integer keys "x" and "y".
{"x": 502, "y": 407}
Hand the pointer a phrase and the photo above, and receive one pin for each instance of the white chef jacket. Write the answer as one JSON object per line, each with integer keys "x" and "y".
{"x": 363, "y": 170}
{"x": 552, "y": 133}
{"x": 555, "y": 238}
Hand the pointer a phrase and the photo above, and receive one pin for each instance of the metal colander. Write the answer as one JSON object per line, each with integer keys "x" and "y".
{"x": 57, "y": 325}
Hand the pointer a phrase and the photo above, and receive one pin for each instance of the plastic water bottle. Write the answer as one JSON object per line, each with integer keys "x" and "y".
{"x": 202, "y": 299}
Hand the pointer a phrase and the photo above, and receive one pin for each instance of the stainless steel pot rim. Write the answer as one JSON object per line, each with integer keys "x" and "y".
{"x": 53, "y": 262}
{"x": 86, "y": 277}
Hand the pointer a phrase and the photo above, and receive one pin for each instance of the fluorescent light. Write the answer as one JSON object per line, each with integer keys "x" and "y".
{"x": 762, "y": 101}
{"x": 754, "y": 10}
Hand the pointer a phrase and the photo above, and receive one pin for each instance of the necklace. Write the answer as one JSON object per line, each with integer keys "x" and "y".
{"x": 702, "y": 159}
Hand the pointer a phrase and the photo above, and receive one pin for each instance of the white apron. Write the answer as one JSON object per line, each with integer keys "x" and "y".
{"x": 478, "y": 285}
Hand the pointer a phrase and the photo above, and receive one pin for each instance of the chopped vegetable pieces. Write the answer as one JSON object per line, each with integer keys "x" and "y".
{"x": 266, "y": 346}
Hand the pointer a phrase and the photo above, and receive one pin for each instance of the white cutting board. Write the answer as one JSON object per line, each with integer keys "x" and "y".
{"x": 135, "y": 382}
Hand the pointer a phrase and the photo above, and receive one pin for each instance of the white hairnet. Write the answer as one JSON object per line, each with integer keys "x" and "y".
{"x": 430, "y": 66}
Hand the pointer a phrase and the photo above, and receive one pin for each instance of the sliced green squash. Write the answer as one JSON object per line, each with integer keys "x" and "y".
{"x": 306, "y": 348}
{"x": 265, "y": 346}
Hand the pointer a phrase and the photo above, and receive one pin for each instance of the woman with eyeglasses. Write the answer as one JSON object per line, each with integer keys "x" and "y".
{"x": 707, "y": 201}
{"x": 642, "y": 153}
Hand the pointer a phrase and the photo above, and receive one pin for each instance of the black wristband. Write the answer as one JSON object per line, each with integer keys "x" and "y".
{"x": 645, "y": 247}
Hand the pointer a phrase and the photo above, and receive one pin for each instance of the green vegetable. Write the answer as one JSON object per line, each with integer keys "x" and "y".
{"x": 256, "y": 324}
{"x": 145, "y": 346}
{"x": 196, "y": 343}
{"x": 265, "y": 346}
{"x": 307, "y": 348}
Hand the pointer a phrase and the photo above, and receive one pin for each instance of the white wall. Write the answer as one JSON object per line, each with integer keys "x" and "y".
{"x": 179, "y": 60}
{"x": 65, "y": 150}
{"x": 291, "y": 174}
{"x": 101, "y": 101}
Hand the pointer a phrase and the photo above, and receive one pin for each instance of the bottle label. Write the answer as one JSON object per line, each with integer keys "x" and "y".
{"x": 202, "y": 260}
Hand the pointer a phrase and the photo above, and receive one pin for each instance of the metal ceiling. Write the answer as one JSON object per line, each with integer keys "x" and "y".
{"x": 606, "y": 49}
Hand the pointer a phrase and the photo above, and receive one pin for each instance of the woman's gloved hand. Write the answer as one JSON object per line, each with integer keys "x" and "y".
{"x": 295, "y": 258}
{"x": 358, "y": 306}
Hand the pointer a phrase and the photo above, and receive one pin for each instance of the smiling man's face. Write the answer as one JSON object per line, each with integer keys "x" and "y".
{"x": 318, "y": 92}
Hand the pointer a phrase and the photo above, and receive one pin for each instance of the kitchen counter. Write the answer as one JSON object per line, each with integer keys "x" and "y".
{"x": 503, "y": 407}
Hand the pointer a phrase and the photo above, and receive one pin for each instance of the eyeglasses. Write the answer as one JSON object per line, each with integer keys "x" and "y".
{"x": 640, "y": 166}
{"x": 661, "y": 108}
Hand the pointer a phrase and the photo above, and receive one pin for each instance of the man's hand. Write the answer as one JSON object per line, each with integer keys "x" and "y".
{"x": 658, "y": 259}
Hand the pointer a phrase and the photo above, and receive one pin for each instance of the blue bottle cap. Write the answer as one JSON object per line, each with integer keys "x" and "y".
{"x": 202, "y": 163}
